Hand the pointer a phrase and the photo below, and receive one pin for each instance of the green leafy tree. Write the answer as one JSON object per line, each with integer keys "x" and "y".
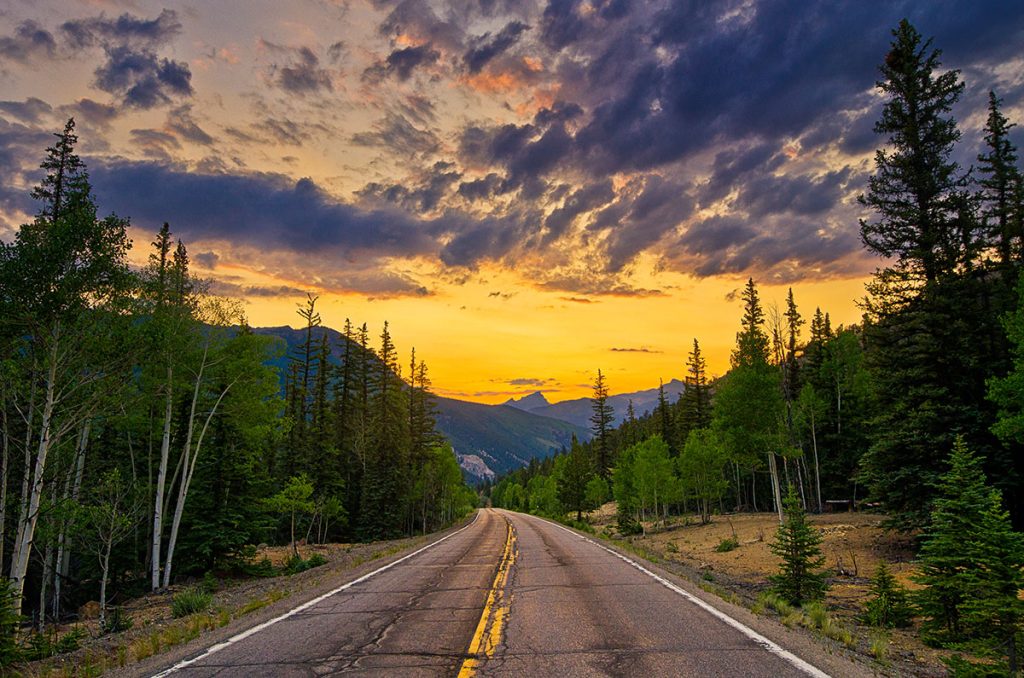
{"x": 654, "y": 479}
{"x": 798, "y": 545}
{"x": 701, "y": 465}
{"x": 294, "y": 499}
{"x": 597, "y": 491}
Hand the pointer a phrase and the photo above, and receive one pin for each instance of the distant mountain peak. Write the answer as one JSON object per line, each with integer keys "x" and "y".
{"x": 528, "y": 402}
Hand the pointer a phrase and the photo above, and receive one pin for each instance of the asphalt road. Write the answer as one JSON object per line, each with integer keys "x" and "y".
{"x": 514, "y": 595}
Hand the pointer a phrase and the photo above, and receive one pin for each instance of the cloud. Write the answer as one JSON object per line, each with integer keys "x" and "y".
{"x": 142, "y": 79}
{"x": 641, "y": 349}
{"x": 529, "y": 381}
{"x": 402, "y": 63}
{"x": 206, "y": 259}
{"x": 127, "y": 28}
{"x": 417, "y": 194}
{"x": 579, "y": 300}
{"x": 304, "y": 76}
{"x": 260, "y": 210}
{"x": 397, "y": 133}
{"x": 28, "y": 41}
{"x": 485, "y": 48}
{"x": 31, "y": 110}
{"x": 180, "y": 121}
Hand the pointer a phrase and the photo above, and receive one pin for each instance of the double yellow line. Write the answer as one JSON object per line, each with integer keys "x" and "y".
{"x": 487, "y": 636}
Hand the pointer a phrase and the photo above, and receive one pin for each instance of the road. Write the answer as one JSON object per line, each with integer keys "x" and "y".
{"x": 511, "y": 595}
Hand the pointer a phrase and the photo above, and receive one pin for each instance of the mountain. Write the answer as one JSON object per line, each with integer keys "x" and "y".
{"x": 487, "y": 439}
{"x": 578, "y": 411}
{"x": 528, "y": 403}
{"x": 492, "y": 439}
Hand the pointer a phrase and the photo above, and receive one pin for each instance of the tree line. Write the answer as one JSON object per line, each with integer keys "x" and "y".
{"x": 144, "y": 435}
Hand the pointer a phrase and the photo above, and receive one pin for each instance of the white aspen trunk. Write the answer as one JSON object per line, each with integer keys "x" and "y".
{"x": 27, "y": 521}
{"x": 104, "y": 576}
{"x": 63, "y": 555}
{"x": 776, "y": 491}
{"x": 188, "y": 470}
{"x": 26, "y": 477}
{"x": 817, "y": 471}
{"x": 161, "y": 480}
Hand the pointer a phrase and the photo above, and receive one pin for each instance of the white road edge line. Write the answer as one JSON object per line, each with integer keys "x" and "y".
{"x": 769, "y": 645}
{"x": 259, "y": 627}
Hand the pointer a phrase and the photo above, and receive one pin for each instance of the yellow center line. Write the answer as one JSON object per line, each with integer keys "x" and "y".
{"x": 488, "y": 630}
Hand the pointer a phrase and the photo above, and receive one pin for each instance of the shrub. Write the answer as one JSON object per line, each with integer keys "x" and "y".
{"x": 728, "y": 544}
{"x": 9, "y": 652}
{"x": 190, "y": 601}
{"x": 888, "y": 606}
{"x": 117, "y": 621}
{"x": 296, "y": 564}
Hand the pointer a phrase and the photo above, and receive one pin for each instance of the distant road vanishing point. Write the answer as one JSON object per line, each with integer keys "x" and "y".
{"x": 512, "y": 595}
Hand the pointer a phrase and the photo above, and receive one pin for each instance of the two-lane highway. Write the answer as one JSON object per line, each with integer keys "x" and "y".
{"x": 509, "y": 595}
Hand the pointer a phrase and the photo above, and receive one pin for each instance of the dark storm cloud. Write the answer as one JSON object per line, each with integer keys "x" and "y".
{"x": 18, "y": 142}
{"x": 31, "y": 110}
{"x": 88, "y": 32}
{"x": 155, "y": 143}
{"x": 141, "y": 78}
{"x": 266, "y": 211}
{"x": 417, "y": 19}
{"x": 655, "y": 209}
{"x": 402, "y": 62}
{"x": 801, "y": 194}
{"x": 584, "y": 200}
{"x": 423, "y": 195}
{"x": 482, "y": 188}
{"x": 92, "y": 112}
{"x": 485, "y": 48}
{"x": 29, "y": 40}
{"x": 488, "y": 238}
{"x": 304, "y": 76}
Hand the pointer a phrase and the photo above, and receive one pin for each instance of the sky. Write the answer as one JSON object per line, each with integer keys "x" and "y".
{"x": 527, "y": 191}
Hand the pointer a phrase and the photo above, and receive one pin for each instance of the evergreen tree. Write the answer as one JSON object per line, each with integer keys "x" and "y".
{"x": 573, "y": 473}
{"x": 797, "y": 543}
{"x": 695, "y": 408}
{"x": 930, "y": 335}
{"x": 600, "y": 423}
{"x": 946, "y": 556}
{"x": 889, "y": 605}
{"x": 917, "y": 188}
{"x": 1000, "y": 179}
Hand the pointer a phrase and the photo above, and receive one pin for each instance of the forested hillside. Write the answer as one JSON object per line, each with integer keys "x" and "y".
{"x": 144, "y": 432}
{"x": 916, "y": 411}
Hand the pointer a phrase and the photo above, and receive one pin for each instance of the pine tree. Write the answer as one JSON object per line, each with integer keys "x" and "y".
{"x": 695, "y": 409}
{"x": 751, "y": 340}
{"x": 664, "y": 418}
{"x": 573, "y": 471}
{"x": 797, "y": 543}
{"x": 600, "y": 423}
{"x": 917, "y": 187}
{"x": 889, "y": 605}
{"x": 999, "y": 182}
{"x": 945, "y": 557}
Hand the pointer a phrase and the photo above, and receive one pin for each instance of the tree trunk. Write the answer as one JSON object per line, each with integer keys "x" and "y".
{"x": 161, "y": 480}
{"x": 776, "y": 491}
{"x": 27, "y": 521}
{"x": 63, "y": 555}
{"x": 104, "y": 576}
{"x": 817, "y": 469}
{"x": 189, "y": 469}
{"x": 3, "y": 480}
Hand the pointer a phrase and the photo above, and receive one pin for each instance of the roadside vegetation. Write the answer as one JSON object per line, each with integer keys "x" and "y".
{"x": 915, "y": 414}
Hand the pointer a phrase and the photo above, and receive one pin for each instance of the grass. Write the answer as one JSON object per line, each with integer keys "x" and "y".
{"x": 879, "y": 644}
{"x": 190, "y": 601}
{"x": 814, "y": 616}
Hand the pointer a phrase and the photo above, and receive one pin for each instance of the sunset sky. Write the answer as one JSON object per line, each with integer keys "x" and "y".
{"x": 527, "y": 191}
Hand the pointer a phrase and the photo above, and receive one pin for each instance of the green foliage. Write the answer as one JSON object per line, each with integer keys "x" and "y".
{"x": 190, "y": 601}
{"x": 296, "y": 564}
{"x": 728, "y": 544}
{"x": 573, "y": 473}
{"x": 543, "y": 497}
{"x": 1008, "y": 392}
{"x": 701, "y": 465}
{"x": 797, "y": 543}
{"x": 117, "y": 621}
{"x": 9, "y": 622}
{"x": 597, "y": 492}
{"x": 889, "y": 605}
{"x": 960, "y": 667}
